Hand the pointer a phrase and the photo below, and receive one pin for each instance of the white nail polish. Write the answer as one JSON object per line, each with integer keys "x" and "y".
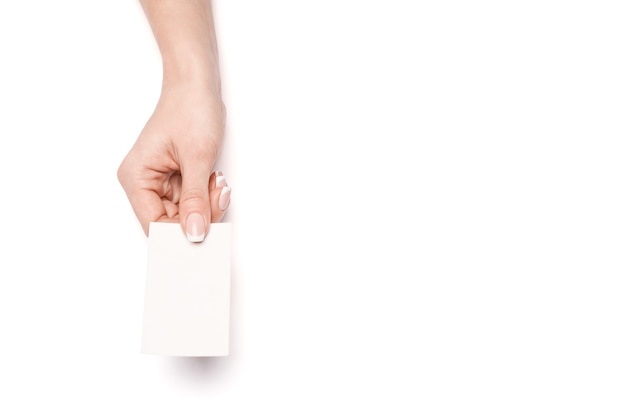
{"x": 195, "y": 227}
{"x": 220, "y": 181}
{"x": 224, "y": 198}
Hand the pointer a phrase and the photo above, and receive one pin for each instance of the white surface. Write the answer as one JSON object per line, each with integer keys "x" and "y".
{"x": 428, "y": 211}
{"x": 187, "y": 299}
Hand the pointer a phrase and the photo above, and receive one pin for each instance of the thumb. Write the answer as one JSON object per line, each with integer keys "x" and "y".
{"x": 194, "y": 206}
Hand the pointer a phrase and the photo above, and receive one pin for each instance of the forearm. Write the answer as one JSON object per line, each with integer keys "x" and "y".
{"x": 185, "y": 33}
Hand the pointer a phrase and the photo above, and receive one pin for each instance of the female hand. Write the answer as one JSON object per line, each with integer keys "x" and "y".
{"x": 167, "y": 175}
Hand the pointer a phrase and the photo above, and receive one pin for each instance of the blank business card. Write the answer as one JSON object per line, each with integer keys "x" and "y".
{"x": 187, "y": 299}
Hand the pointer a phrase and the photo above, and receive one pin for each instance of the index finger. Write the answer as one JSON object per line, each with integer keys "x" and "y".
{"x": 148, "y": 207}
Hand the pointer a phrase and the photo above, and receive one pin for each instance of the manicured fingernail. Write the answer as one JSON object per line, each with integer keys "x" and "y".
{"x": 195, "y": 227}
{"x": 220, "y": 181}
{"x": 224, "y": 198}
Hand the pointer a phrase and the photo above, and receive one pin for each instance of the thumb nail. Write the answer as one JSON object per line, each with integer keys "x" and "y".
{"x": 195, "y": 227}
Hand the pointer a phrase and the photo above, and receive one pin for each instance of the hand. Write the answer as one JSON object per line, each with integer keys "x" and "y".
{"x": 167, "y": 173}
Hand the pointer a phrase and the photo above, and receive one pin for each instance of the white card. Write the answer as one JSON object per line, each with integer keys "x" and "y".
{"x": 187, "y": 299}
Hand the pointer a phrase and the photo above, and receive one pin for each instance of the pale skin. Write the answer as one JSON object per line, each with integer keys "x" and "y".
{"x": 167, "y": 175}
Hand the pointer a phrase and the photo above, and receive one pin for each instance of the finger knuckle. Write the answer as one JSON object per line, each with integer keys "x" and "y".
{"x": 192, "y": 197}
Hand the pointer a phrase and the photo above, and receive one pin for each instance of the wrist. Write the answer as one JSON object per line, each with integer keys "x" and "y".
{"x": 190, "y": 70}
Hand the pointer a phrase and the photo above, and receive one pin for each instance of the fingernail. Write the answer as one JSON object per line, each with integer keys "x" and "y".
{"x": 224, "y": 198}
{"x": 220, "y": 181}
{"x": 195, "y": 227}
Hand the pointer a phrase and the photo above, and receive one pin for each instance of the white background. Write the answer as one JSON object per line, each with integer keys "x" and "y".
{"x": 428, "y": 204}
